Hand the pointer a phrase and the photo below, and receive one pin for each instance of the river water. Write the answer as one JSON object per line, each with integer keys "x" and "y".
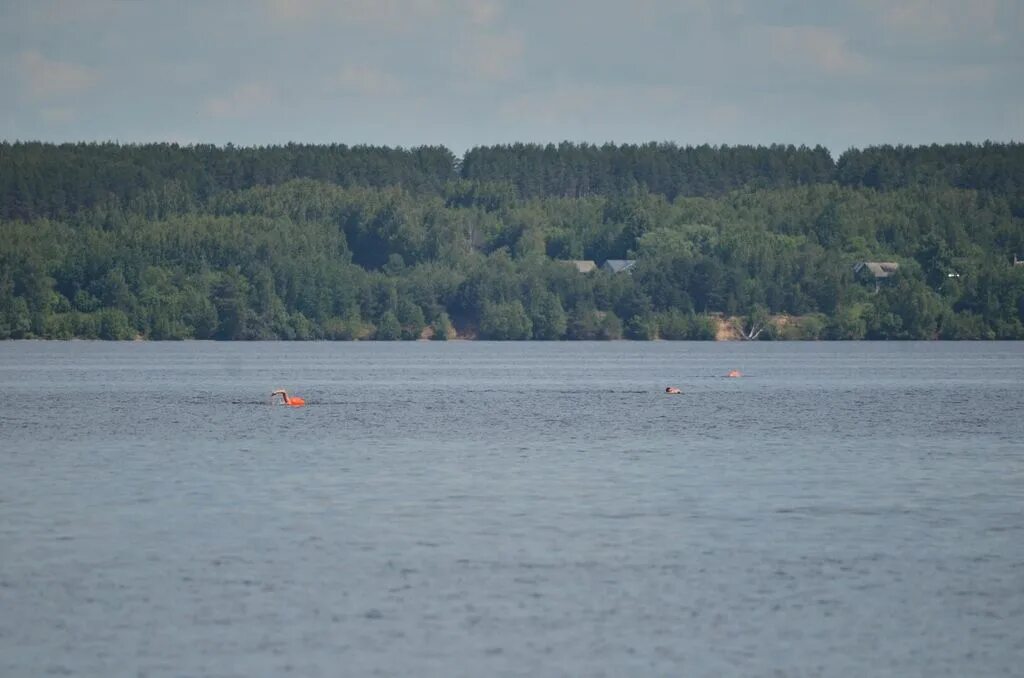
{"x": 520, "y": 509}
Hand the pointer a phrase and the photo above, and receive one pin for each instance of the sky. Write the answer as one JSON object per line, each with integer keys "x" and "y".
{"x": 464, "y": 73}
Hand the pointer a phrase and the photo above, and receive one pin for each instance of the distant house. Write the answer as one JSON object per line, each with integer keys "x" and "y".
{"x": 1016, "y": 261}
{"x": 618, "y": 265}
{"x": 876, "y": 271}
{"x": 582, "y": 265}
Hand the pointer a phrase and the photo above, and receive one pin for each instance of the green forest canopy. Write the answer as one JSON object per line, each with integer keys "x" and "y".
{"x": 342, "y": 242}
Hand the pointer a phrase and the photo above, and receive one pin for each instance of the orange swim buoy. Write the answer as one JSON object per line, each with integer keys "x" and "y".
{"x": 291, "y": 401}
{"x": 734, "y": 373}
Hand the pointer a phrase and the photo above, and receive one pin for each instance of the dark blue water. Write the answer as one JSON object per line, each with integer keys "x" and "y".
{"x": 480, "y": 509}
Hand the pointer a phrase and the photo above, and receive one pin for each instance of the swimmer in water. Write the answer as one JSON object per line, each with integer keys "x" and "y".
{"x": 734, "y": 373}
{"x": 292, "y": 401}
{"x": 673, "y": 390}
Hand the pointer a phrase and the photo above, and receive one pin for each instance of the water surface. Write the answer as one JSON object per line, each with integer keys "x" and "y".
{"x": 472, "y": 509}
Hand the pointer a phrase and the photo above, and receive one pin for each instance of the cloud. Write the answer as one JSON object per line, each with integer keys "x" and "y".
{"x": 939, "y": 20}
{"x": 47, "y": 79}
{"x": 960, "y": 76}
{"x": 383, "y": 13}
{"x": 362, "y": 79}
{"x": 572, "y": 105}
{"x": 482, "y": 12}
{"x": 242, "y": 101}
{"x": 390, "y": 15}
{"x": 555, "y": 107}
{"x": 58, "y": 115}
{"x": 63, "y": 12}
{"x": 495, "y": 56}
{"x": 815, "y": 48}
{"x": 292, "y": 10}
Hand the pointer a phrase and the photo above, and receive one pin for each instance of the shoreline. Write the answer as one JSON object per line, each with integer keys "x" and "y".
{"x": 143, "y": 340}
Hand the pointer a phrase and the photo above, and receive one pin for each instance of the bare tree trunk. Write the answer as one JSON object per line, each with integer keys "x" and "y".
{"x": 753, "y": 333}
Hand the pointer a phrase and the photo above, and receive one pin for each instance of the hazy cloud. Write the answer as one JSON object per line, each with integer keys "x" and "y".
{"x": 243, "y": 101}
{"x": 64, "y": 11}
{"x": 58, "y": 115}
{"x": 465, "y": 72}
{"x": 574, "y": 105}
{"x": 941, "y": 20}
{"x": 961, "y": 75}
{"x": 494, "y": 57}
{"x": 364, "y": 79}
{"x": 381, "y": 13}
{"x": 815, "y": 48}
{"x": 483, "y": 12}
{"x": 291, "y": 10}
{"x": 48, "y": 79}
{"x": 386, "y": 15}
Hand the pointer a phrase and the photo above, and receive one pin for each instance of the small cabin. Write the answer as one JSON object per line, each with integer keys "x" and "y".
{"x": 1017, "y": 262}
{"x": 582, "y": 265}
{"x": 876, "y": 270}
{"x": 618, "y": 265}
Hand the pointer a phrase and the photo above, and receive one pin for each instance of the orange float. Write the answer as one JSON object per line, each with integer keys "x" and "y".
{"x": 291, "y": 401}
{"x": 734, "y": 373}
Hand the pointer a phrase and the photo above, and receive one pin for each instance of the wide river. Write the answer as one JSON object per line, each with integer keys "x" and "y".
{"x": 520, "y": 509}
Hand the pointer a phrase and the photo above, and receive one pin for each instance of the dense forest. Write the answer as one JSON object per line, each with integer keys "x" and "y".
{"x": 336, "y": 242}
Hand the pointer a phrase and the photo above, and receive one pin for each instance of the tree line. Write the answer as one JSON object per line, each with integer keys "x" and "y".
{"x": 335, "y": 242}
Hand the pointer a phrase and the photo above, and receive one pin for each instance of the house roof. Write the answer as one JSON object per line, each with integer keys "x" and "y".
{"x": 618, "y": 265}
{"x": 879, "y": 269}
{"x": 582, "y": 265}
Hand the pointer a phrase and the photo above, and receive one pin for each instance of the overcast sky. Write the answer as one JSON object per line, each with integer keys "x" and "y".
{"x": 469, "y": 72}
